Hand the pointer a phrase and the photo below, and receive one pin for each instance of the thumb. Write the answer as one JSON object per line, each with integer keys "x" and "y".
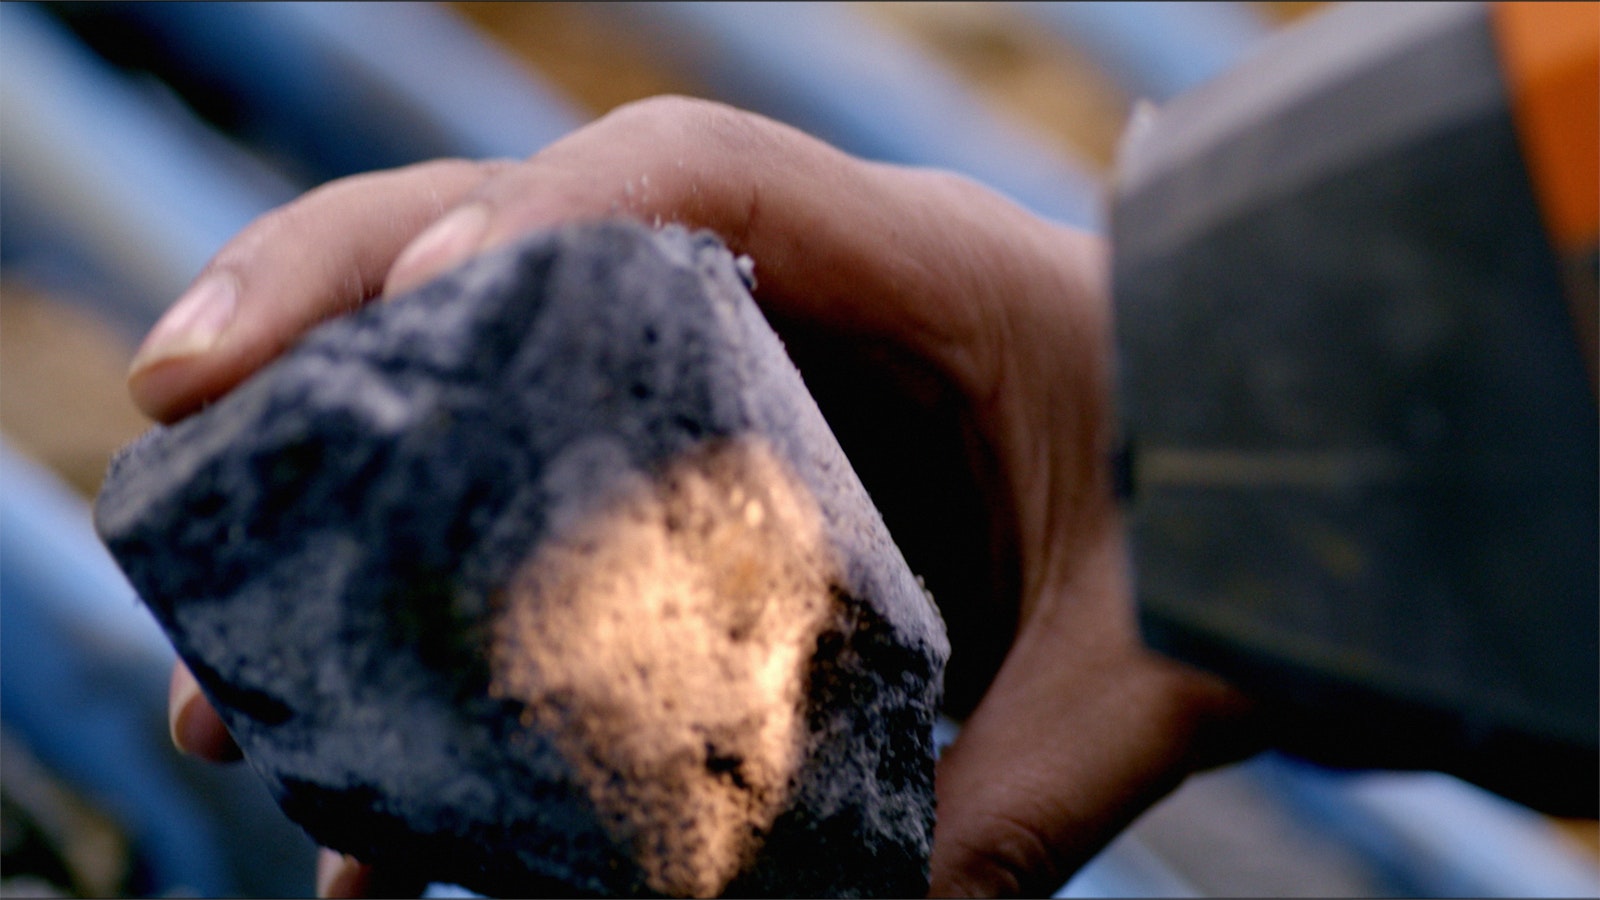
{"x": 1081, "y": 731}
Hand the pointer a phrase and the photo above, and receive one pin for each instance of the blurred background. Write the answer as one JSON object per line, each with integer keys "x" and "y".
{"x": 136, "y": 138}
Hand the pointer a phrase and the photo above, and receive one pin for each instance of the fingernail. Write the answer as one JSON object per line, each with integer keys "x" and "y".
{"x": 185, "y": 691}
{"x": 192, "y": 326}
{"x": 195, "y": 728}
{"x": 445, "y": 243}
{"x": 337, "y": 874}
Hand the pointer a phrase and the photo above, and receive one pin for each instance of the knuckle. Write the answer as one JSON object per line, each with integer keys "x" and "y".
{"x": 1005, "y": 858}
{"x": 266, "y": 231}
{"x": 660, "y": 109}
{"x": 278, "y": 227}
{"x": 705, "y": 125}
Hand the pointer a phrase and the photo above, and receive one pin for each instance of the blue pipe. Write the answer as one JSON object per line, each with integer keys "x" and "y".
{"x": 1126, "y": 868}
{"x": 1431, "y": 835}
{"x": 484, "y": 104}
{"x": 1155, "y": 50}
{"x": 138, "y": 192}
{"x": 827, "y": 70}
{"x": 332, "y": 89}
{"x": 83, "y": 677}
{"x": 144, "y": 192}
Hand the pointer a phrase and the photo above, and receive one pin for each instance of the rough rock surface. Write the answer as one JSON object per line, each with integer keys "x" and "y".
{"x": 550, "y": 576}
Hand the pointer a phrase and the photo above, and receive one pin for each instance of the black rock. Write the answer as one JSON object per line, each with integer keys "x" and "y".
{"x": 550, "y": 576}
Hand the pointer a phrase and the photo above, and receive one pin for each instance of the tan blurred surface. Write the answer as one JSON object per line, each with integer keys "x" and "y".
{"x": 1582, "y": 833}
{"x": 1026, "y": 75}
{"x": 569, "y": 46}
{"x": 1284, "y": 13}
{"x": 1033, "y": 80}
{"x": 62, "y": 396}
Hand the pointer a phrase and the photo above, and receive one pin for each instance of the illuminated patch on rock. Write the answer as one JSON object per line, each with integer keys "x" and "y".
{"x": 663, "y": 637}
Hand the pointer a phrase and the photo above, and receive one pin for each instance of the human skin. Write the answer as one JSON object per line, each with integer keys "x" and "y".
{"x": 933, "y": 320}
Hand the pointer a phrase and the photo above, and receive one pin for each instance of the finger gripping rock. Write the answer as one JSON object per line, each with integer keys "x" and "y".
{"x": 550, "y": 576}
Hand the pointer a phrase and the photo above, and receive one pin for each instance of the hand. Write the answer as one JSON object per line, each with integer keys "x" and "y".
{"x": 959, "y": 346}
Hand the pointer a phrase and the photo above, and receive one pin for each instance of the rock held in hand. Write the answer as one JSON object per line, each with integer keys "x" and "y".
{"x": 549, "y": 575}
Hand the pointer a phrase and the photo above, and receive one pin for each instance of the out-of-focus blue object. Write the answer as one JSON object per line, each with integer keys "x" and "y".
{"x": 136, "y": 188}
{"x": 50, "y": 550}
{"x": 1155, "y": 50}
{"x": 1432, "y": 835}
{"x": 1277, "y": 826}
{"x": 828, "y": 70}
{"x": 332, "y": 89}
{"x": 83, "y": 685}
{"x": 83, "y": 676}
{"x": 481, "y": 102}
{"x": 117, "y": 170}
{"x": 1126, "y": 868}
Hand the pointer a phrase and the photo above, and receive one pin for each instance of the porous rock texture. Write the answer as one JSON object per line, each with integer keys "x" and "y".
{"x": 549, "y": 576}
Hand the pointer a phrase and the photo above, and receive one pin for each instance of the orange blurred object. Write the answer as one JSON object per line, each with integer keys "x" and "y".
{"x": 1550, "y": 53}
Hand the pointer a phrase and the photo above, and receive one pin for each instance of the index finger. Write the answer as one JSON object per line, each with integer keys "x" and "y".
{"x": 195, "y": 727}
{"x": 326, "y": 253}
